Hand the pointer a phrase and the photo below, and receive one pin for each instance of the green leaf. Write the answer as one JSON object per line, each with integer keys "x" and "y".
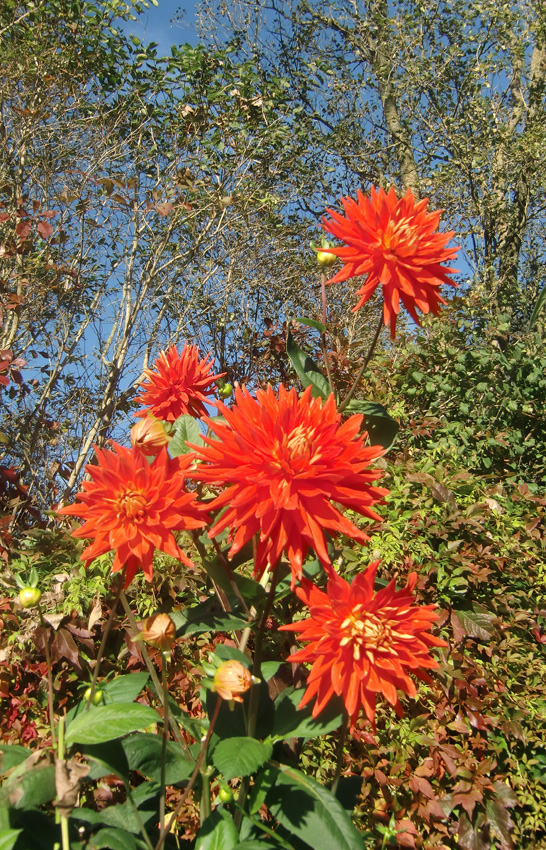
{"x": 114, "y": 839}
{"x": 307, "y": 370}
{"x": 258, "y": 844}
{"x": 144, "y": 754}
{"x": 540, "y": 302}
{"x": 218, "y": 832}
{"x": 240, "y": 756}
{"x": 293, "y": 722}
{"x": 30, "y": 789}
{"x": 381, "y": 427}
{"x": 186, "y": 430}
{"x": 8, "y": 837}
{"x": 125, "y": 688}
{"x": 252, "y": 591}
{"x": 108, "y": 722}
{"x": 312, "y": 323}
{"x": 476, "y": 624}
{"x": 311, "y": 812}
{"x": 11, "y": 755}
{"x": 109, "y": 756}
{"x": 200, "y": 619}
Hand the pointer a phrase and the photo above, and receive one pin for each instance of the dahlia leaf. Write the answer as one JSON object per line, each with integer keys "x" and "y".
{"x": 312, "y": 323}
{"x": 8, "y": 837}
{"x": 11, "y": 755}
{"x": 218, "y": 832}
{"x": 311, "y": 812}
{"x": 186, "y": 430}
{"x": 200, "y": 619}
{"x": 236, "y": 757}
{"x": 107, "y": 722}
{"x": 307, "y": 370}
{"x": 381, "y": 427}
{"x": 114, "y": 838}
{"x": 292, "y": 722}
{"x": 31, "y": 789}
{"x": 144, "y": 751}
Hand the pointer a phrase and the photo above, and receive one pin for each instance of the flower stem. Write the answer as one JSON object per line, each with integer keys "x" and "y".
{"x": 339, "y": 751}
{"x": 165, "y": 829}
{"x": 107, "y": 629}
{"x": 165, "y": 684}
{"x": 151, "y": 670}
{"x": 65, "y": 837}
{"x": 358, "y": 378}
{"x": 323, "y": 343}
{"x": 49, "y": 678}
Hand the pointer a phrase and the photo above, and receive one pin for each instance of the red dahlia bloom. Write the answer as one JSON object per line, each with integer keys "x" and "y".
{"x": 362, "y": 644}
{"x": 181, "y": 385}
{"x": 283, "y": 461}
{"x": 393, "y": 243}
{"x": 133, "y": 507}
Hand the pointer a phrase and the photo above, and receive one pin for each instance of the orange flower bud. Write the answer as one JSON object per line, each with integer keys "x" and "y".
{"x": 158, "y": 631}
{"x": 231, "y": 680}
{"x": 149, "y": 435}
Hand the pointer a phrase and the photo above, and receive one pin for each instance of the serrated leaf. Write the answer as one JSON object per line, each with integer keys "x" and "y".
{"x": 200, "y": 619}
{"x": 500, "y": 823}
{"x": 143, "y": 753}
{"x": 114, "y": 839}
{"x": 108, "y": 722}
{"x": 125, "y": 688}
{"x": 381, "y": 427}
{"x": 31, "y": 789}
{"x": 476, "y": 624}
{"x": 293, "y": 722}
{"x": 11, "y": 755}
{"x": 307, "y": 370}
{"x": 311, "y": 812}
{"x": 186, "y": 430}
{"x": 217, "y": 833}
{"x": 240, "y": 756}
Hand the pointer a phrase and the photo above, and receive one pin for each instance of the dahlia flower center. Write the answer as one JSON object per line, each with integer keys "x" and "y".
{"x": 399, "y": 237}
{"x": 365, "y": 632}
{"x": 295, "y": 452}
{"x": 132, "y": 505}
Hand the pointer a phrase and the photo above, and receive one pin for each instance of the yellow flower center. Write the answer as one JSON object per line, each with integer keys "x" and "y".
{"x": 366, "y": 632}
{"x": 399, "y": 237}
{"x": 295, "y": 452}
{"x": 132, "y": 505}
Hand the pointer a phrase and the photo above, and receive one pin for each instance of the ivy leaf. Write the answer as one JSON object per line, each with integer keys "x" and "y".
{"x": 307, "y": 370}
{"x": 240, "y": 756}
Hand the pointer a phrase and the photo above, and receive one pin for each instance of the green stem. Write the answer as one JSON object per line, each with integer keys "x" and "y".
{"x": 339, "y": 751}
{"x": 139, "y": 820}
{"x": 65, "y": 837}
{"x": 358, "y": 378}
{"x": 165, "y": 829}
{"x": 164, "y": 738}
{"x": 323, "y": 342}
{"x": 107, "y": 629}
{"x": 254, "y": 700}
{"x": 258, "y": 823}
{"x": 154, "y": 677}
{"x": 49, "y": 678}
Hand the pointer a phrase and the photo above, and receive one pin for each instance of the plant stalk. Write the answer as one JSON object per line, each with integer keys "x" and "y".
{"x": 49, "y": 678}
{"x": 358, "y": 378}
{"x": 107, "y": 629}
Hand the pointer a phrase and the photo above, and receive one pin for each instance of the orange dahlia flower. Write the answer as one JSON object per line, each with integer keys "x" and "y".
{"x": 180, "y": 385}
{"x": 283, "y": 460}
{"x": 132, "y": 506}
{"x": 393, "y": 242}
{"x": 362, "y": 644}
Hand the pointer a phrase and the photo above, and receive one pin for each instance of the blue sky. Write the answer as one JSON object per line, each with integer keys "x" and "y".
{"x": 156, "y": 25}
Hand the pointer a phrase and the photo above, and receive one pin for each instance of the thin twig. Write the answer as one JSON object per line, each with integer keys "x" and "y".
{"x": 102, "y": 647}
{"x": 357, "y": 380}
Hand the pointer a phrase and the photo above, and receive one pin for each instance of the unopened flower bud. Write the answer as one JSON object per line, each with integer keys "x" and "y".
{"x": 158, "y": 631}
{"x": 231, "y": 680}
{"x": 149, "y": 435}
